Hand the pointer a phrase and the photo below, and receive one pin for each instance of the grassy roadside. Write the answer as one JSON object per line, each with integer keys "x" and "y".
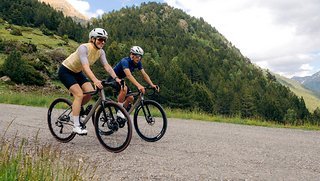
{"x": 234, "y": 120}
{"x": 24, "y": 160}
{"x": 43, "y": 98}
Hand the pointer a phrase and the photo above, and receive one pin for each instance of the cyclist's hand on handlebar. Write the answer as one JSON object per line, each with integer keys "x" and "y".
{"x": 120, "y": 82}
{"x": 156, "y": 87}
{"x": 98, "y": 84}
{"x": 142, "y": 89}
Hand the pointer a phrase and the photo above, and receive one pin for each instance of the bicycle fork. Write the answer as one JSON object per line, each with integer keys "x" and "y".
{"x": 146, "y": 112}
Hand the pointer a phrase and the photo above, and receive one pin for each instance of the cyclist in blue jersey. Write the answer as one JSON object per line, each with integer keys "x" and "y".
{"x": 124, "y": 69}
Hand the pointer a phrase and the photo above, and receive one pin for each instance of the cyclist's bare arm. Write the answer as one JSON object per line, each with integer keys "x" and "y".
{"x": 133, "y": 80}
{"x": 111, "y": 72}
{"x": 93, "y": 78}
{"x": 107, "y": 66}
{"x": 148, "y": 80}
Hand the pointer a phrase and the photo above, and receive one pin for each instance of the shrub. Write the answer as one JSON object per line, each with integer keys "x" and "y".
{"x": 65, "y": 39}
{"x": 16, "y": 31}
{"x": 57, "y": 55}
{"x": 20, "y": 71}
{"x": 45, "y": 30}
{"x": 1, "y": 72}
{"x": 8, "y": 46}
{"x": 2, "y": 21}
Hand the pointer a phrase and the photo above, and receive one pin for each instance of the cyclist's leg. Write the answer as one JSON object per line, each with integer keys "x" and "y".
{"x": 77, "y": 93}
{"x": 122, "y": 94}
{"x": 86, "y": 87}
{"x": 129, "y": 99}
{"x": 70, "y": 81}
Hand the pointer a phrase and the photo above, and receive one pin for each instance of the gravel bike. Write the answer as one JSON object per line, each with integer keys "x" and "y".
{"x": 114, "y": 133}
{"x": 149, "y": 119}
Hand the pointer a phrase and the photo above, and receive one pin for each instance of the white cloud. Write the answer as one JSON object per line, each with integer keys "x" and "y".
{"x": 84, "y": 8}
{"x": 96, "y": 14}
{"x": 306, "y": 67}
{"x": 278, "y": 35}
{"x": 81, "y": 6}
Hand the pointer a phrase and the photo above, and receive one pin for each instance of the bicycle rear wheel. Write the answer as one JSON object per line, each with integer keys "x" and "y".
{"x": 150, "y": 121}
{"x": 59, "y": 122}
{"x": 114, "y": 133}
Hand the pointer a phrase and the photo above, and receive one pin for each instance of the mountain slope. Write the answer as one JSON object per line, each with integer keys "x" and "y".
{"x": 66, "y": 8}
{"x": 196, "y": 67}
{"x": 311, "y": 99}
{"x": 310, "y": 82}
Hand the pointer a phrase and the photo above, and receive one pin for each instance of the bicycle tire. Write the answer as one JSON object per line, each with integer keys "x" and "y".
{"x": 59, "y": 122}
{"x": 113, "y": 133}
{"x": 153, "y": 126}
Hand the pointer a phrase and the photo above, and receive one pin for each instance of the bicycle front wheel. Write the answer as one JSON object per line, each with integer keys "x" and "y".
{"x": 59, "y": 122}
{"x": 150, "y": 121}
{"x": 113, "y": 132}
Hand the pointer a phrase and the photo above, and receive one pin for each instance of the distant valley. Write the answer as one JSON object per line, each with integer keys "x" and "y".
{"x": 310, "y": 82}
{"x": 298, "y": 85}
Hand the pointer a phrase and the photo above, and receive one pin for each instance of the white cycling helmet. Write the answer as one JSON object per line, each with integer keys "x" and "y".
{"x": 97, "y": 33}
{"x": 136, "y": 50}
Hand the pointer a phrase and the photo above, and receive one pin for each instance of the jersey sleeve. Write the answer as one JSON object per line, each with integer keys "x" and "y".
{"x": 83, "y": 54}
{"x": 125, "y": 64}
{"x": 103, "y": 58}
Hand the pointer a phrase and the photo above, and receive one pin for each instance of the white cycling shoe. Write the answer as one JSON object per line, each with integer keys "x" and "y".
{"x": 80, "y": 131}
{"x": 120, "y": 114}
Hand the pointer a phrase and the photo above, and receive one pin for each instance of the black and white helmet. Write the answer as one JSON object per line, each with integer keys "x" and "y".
{"x": 136, "y": 50}
{"x": 98, "y": 33}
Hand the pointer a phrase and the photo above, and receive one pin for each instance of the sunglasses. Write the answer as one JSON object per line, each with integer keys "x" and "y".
{"x": 137, "y": 55}
{"x": 101, "y": 39}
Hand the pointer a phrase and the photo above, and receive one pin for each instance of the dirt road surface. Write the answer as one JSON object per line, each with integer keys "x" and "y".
{"x": 190, "y": 150}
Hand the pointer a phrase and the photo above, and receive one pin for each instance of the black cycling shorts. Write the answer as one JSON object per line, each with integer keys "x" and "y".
{"x": 69, "y": 78}
{"x": 117, "y": 87}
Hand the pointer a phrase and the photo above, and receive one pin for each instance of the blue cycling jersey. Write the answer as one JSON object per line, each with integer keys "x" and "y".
{"x": 124, "y": 63}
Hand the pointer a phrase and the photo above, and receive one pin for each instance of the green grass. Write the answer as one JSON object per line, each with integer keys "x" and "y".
{"x": 181, "y": 114}
{"x": 35, "y": 36}
{"x": 21, "y": 160}
{"x": 38, "y": 98}
{"x": 43, "y": 98}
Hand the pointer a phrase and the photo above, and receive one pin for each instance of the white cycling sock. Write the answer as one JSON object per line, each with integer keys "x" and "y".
{"x": 76, "y": 121}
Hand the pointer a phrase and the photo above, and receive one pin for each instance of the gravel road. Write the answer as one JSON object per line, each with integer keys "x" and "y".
{"x": 190, "y": 150}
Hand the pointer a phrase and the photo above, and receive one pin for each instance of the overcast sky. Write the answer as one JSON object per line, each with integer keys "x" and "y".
{"x": 280, "y": 35}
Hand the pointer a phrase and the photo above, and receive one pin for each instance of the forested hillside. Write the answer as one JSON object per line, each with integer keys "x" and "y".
{"x": 35, "y": 14}
{"x": 195, "y": 66}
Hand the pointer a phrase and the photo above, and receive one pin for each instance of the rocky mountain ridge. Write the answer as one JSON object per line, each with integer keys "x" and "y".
{"x": 310, "y": 82}
{"x": 66, "y": 8}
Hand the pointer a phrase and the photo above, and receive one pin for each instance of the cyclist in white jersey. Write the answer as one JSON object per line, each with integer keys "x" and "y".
{"x": 71, "y": 72}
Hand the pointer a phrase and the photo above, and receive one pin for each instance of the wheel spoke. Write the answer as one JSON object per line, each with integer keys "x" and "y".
{"x": 150, "y": 121}
{"x": 112, "y": 132}
{"x": 59, "y": 121}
